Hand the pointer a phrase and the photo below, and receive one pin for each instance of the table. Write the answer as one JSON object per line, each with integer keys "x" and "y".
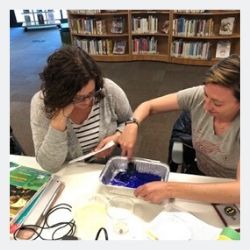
{"x": 82, "y": 180}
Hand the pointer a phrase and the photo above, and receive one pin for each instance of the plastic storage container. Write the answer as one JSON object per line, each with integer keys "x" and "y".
{"x": 120, "y": 164}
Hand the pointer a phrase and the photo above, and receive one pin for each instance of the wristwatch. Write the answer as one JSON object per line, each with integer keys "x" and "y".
{"x": 132, "y": 120}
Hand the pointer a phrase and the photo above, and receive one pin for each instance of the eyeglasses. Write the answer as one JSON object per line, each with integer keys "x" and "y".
{"x": 88, "y": 98}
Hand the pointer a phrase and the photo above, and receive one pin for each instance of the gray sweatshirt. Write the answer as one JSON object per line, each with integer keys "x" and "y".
{"x": 53, "y": 148}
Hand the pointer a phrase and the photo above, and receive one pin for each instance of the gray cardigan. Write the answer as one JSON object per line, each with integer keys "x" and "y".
{"x": 53, "y": 148}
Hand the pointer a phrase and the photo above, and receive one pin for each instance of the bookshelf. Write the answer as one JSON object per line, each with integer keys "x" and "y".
{"x": 38, "y": 19}
{"x": 175, "y": 36}
{"x": 149, "y": 40}
{"x": 98, "y": 32}
{"x": 201, "y": 30}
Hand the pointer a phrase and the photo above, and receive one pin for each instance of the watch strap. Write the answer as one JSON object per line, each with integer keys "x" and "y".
{"x": 132, "y": 120}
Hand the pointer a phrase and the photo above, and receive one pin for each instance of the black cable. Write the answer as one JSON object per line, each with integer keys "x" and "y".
{"x": 105, "y": 233}
{"x": 37, "y": 229}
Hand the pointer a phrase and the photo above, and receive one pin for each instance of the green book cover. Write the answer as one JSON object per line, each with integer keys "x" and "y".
{"x": 25, "y": 184}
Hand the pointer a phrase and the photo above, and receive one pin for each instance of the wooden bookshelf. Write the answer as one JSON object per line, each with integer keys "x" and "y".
{"x": 210, "y": 20}
{"x": 154, "y": 34}
{"x": 146, "y": 26}
{"x": 97, "y": 33}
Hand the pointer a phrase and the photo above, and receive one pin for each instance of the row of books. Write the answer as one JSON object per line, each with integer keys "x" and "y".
{"x": 190, "y": 11}
{"x": 88, "y": 26}
{"x": 145, "y": 25}
{"x": 32, "y": 193}
{"x": 194, "y": 50}
{"x": 193, "y": 27}
{"x": 37, "y": 11}
{"x": 181, "y": 26}
{"x": 179, "y": 48}
{"x": 101, "y": 46}
{"x": 85, "y": 12}
{"x": 144, "y": 45}
{"x": 93, "y": 12}
{"x": 199, "y": 50}
{"x": 202, "y": 27}
{"x": 93, "y": 26}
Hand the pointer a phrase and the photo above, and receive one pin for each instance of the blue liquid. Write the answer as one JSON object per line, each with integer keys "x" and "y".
{"x": 133, "y": 181}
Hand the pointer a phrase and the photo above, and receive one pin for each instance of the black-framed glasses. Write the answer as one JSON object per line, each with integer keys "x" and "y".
{"x": 88, "y": 98}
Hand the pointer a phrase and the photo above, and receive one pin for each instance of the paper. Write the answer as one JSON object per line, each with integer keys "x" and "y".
{"x": 108, "y": 145}
{"x": 181, "y": 226}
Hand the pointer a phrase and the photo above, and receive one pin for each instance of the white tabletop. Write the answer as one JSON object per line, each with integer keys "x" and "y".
{"x": 82, "y": 180}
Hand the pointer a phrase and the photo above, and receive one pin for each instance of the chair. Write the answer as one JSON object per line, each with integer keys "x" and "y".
{"x": 181, "y": 155}
{"x": 15, "y": 147}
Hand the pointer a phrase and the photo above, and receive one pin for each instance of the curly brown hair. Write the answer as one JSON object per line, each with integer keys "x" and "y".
{"x": 226, "y": 73}
{"x": 68, "y": 70}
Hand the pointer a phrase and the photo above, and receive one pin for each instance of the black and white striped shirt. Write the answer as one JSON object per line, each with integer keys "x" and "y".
{"x": 88, "y": 132}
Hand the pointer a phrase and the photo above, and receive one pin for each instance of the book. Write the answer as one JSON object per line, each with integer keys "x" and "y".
{"x": 101, "y": 27}
{"x": 37, "y": 210}
{"x": 226, "y": 26}
{"x": 119, "y": 47}
{"x": 117, "y": 25}
{"x": 28, "y": 187}
{"x": 223, "y": 49}
{"x": 13, "y": 165}
{"x": 165, "y": 27}
{"x": 25, "y": 183}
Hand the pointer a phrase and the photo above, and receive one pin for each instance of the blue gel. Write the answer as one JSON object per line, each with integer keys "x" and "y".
{"x": 133, "y": 181}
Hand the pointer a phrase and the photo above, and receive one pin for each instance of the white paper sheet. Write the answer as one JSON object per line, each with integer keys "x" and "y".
{"x": 181, "y": 226}
{"x": 81, "y": 158}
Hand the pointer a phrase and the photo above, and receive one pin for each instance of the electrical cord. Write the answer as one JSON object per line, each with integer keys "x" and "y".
{"x": 105, "y": 233}
{"x": 69, "y": 235}
{"x": 37, "y": 229}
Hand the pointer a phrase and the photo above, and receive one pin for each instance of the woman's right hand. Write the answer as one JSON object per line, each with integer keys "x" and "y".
{"x": 127, "y": 139}
{"x": 59, "y": 120}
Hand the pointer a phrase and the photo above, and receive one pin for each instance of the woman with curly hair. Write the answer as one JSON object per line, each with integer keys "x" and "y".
{"x": 76, "y": 110}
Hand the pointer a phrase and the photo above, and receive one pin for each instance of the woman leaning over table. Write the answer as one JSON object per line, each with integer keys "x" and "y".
{"x": 215, "y": 115}
{"x": 76, "y": 110}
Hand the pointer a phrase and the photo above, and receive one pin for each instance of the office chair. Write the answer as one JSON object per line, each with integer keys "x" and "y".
{"x": 181, "y": 155}
{"x": 15, "y": 147}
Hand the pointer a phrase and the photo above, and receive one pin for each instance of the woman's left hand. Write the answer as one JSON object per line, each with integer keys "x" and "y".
{"x": 106, "y": 140}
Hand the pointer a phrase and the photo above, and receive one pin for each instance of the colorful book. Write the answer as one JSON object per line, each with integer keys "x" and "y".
{"x": 25, "y": 185}
{"x": 119, "y": 47}
{"x": 117, "y": 25}
{"x": 32, "y": 192}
